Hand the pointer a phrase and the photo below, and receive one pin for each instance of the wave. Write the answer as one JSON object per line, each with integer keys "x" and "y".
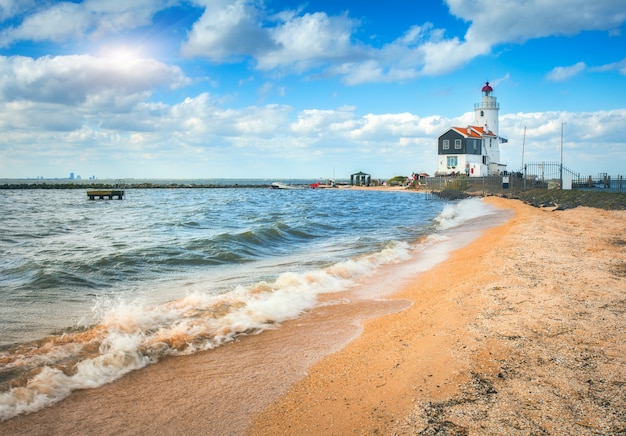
{"x": 27, "y": 276}
{"x": 171, "y": 255}
{"x": 459, "y": 213}
{"x": 132, "y": 335}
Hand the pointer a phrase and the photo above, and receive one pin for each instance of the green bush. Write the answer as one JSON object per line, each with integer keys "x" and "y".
{"x": 396, "y": 181}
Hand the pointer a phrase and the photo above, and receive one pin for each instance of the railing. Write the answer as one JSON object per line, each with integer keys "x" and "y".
{"x": 603, "y": 182}
{"x": 486, "y": 104}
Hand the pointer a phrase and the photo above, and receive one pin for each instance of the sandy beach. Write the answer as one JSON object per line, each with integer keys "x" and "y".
{"x": 520, "y": 332}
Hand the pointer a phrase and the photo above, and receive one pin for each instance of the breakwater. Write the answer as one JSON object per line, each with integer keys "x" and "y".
{"x": 152, "y": 183}
{"x": 140, "y": 185}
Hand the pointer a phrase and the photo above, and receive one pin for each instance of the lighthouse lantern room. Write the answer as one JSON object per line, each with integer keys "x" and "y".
{"x": 473, "y": 150}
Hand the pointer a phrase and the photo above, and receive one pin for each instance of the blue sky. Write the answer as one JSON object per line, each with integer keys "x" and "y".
{"x": 289, "y": 89}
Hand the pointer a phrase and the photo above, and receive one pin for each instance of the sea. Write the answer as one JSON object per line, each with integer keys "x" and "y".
{"x": 92, "y": 290}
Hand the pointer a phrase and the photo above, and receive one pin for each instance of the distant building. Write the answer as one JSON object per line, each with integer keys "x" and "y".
{"x": 71, "y": 176}
{"x": 360, "y": 179}
{"x": 473, "y": 150}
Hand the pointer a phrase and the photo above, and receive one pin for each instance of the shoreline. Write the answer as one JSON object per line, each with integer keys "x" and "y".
{"x": 488, "y": 348}
{"x": 507, "y": 344}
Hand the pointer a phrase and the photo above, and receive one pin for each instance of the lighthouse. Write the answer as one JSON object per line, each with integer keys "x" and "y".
{"x": 473, "y": 150}
{"x": 486, "y": 112}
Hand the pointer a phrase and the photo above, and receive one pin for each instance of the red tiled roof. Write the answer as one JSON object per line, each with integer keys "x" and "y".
{"x": 473, "y": 131}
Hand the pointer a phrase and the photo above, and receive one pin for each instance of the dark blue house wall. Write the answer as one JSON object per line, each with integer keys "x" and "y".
{"x": 468, "y": 145}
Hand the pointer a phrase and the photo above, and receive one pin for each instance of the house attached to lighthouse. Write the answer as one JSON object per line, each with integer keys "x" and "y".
{"x": 473, "y": 150}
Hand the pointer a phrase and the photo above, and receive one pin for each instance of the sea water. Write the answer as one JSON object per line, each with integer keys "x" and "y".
{"x": 91, "y": 290}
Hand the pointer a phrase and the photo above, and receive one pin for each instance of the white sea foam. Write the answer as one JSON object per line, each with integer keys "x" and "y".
{"x": 118, "y": 355}
{"x": 455, "y": 214}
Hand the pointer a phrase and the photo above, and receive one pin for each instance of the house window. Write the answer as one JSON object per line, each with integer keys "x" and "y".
{"x": 446, "y": 144}
{"x": 457, "y": 144}
{"x": 452, "y": 161}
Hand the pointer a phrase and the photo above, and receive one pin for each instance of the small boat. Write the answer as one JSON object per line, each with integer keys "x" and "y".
{"x": 279, "y": 185}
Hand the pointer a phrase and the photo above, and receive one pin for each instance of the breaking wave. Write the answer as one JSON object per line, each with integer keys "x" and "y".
{"x": 132, "y": 335}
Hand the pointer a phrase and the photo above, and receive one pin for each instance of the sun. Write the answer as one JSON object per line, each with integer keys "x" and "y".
{"x": 124, "y": 54}
{"x": 120, "y": 54}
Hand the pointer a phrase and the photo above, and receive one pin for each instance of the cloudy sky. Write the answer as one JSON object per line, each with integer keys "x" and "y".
{"x": 311, "y": 89}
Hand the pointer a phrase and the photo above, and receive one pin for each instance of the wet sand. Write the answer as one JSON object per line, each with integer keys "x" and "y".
{"x": 520, "y": 332}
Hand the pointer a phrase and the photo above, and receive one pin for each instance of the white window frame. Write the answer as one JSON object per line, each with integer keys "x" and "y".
{"x": 446, "y": 144}
{"x": 457, "y": 144}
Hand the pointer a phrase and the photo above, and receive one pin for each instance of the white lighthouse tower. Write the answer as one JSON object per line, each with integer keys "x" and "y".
{"x": 473, "y": 150}
{"x": 486, "y": 114}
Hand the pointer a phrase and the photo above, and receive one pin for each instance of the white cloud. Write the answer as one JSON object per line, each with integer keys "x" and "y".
{"x": 501, "y": 21}
{"x": 61, "y": 21}
{"x": 619, "y": 66}
{"x": 585, "y": 131}
{"x": 200, "y": 118}
{"x": 399, "y": 60}
{"x": 22, "y": 116}
{"x": 230, "y": 31}
{"x": 445, "y": 56}
{"x": 58, "y": 23}
{"x": 304, "y": 42}
{"x": 226, "y": 31}
{"x": 12, "y": 8}
{"x": 91, "y": 82}
{"x": 382, "y": 127}
{"x": 315, "y": 122}
{"x": 560, "y": 74}
{"x": 495, "y": 22}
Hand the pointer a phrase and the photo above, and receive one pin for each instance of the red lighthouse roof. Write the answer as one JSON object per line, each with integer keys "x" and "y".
{"x": 487, "y": 88}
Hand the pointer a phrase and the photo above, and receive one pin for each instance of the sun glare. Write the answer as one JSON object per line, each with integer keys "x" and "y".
{"x": 121, "y": 54}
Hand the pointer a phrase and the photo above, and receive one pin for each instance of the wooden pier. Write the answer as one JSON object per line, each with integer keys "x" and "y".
{"x": 106, "y": 194}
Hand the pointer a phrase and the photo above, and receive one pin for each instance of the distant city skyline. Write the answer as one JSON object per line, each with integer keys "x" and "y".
{"x": 286, "y": 89}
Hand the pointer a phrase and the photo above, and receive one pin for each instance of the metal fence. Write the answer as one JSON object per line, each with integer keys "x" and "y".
{"x": 603, "y": 182}
{"x": 544, "y": 175}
